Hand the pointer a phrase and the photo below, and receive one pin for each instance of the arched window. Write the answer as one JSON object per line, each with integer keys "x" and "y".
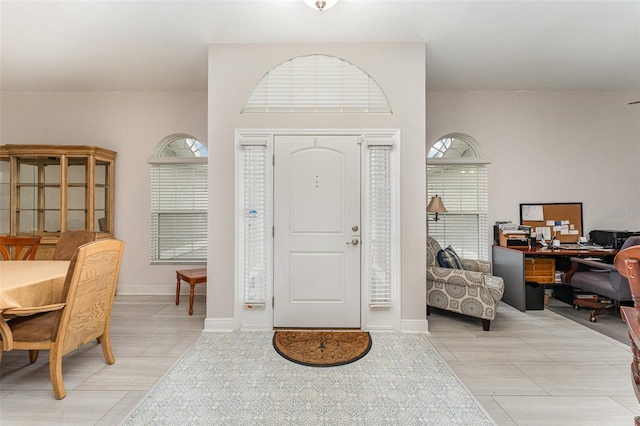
{"x": 317, "y": 84}
{"x": 179, "y": 201}
{"x": 457, "y": 172}
{"x": 181, "y": 146}
{"x": 453, "y": 146}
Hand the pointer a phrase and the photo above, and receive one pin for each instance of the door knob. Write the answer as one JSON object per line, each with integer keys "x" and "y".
{"x": 354, "y": 242}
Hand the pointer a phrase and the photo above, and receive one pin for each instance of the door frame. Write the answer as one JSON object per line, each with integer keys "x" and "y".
{"x": 259, "y": 316}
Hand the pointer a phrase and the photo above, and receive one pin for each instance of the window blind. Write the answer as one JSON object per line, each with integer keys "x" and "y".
{"x": 254, "y": 224}
{"x": 317, "y": 83}
{"x": 379, "y": 221}
{"x": 463, "y": 189}
{"x": 179, "y": 213}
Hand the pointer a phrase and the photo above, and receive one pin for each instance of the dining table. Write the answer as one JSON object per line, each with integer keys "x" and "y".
{"x": 31, "y": 283}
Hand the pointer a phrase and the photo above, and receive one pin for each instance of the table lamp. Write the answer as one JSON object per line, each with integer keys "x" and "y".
{"x": 436, "y": 206}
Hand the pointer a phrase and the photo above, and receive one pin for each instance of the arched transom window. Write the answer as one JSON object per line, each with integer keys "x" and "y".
{"x": 453, "y": 146}
{"x": 317, "y": 84}
{"x": 182, "y": 146}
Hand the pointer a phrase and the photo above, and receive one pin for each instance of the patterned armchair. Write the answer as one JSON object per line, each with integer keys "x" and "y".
{"x": 470, "y": 291}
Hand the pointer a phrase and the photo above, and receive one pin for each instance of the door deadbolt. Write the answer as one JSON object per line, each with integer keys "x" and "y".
{"x": 355, "y": 228}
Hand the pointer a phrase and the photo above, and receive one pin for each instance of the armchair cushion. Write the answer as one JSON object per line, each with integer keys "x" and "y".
{"x": 448, "y": 258}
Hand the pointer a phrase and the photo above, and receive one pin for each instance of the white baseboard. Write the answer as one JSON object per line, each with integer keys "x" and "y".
{"x": 414, "y": 326}
{"x": 159, "y": 290}
{"x": 228, "y": 324}
{"x": 213, "y": 325}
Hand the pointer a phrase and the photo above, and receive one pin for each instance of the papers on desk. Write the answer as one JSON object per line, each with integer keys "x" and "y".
{"x": 510, "y": 228}
{"x": 583, "y": 247}
{"x": 592, "y": 246}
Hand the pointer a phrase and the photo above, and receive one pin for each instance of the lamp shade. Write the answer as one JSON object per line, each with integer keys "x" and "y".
{"x": 436, "y": 206}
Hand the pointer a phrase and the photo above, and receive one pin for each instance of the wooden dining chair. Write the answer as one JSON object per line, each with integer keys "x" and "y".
{"x": 627, "y": 263}
{"x": 12, "y": 248}
{"x": 69, "y": 241}
{"x": 83, "y": 315}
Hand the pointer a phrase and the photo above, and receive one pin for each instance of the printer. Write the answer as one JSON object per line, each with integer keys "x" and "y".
{"x": 610, "y": 239}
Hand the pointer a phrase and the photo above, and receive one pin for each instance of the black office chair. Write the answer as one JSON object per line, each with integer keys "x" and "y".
{"x": 602, "y": 279}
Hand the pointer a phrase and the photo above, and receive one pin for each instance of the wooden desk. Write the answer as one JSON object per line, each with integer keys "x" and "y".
{"x": 31, "y": 283}
{"x": 193, "y": 277}
{"x": 509, "y": 264}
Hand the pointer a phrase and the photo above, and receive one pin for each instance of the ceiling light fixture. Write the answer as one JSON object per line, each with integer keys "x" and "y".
{"x": 320, "y": 5}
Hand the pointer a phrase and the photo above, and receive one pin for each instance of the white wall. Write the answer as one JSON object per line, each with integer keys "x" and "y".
{"x": 551, "y": 147}
{"x": 130, "y": 123}
{"x": 234, "y": 70}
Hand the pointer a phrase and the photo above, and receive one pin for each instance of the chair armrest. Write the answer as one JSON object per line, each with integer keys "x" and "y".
{"x": 483, "y": 266}
{"x": 594, "y": 263}
{"x": 577, "y": 262}
{"x": 461, "y": 276}
{"x": 23, "y": 312}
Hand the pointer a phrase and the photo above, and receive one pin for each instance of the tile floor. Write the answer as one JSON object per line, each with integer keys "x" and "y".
{"x": 534, "y": 368}
{"x": 539, "y": 368}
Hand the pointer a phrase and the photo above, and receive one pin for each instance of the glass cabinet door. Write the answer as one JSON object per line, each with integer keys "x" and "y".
{"x": 51, "y": 200}
{"x": 38, "y": 195}
{"x": 102, "y": 193}
{"x": 77, "y": 193}
{"x": 5, "y": 195}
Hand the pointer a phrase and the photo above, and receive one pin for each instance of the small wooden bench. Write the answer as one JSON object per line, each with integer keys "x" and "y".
{"x": 193, "y": 277}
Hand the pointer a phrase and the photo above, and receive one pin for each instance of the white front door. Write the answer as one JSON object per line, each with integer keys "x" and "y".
{"x": 317, "y": 231}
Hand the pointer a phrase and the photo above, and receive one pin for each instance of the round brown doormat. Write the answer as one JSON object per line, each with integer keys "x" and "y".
{"x": 322, "y": 348}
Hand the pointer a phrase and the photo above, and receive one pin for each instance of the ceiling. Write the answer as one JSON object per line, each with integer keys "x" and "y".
{"x": 471, "y": 45}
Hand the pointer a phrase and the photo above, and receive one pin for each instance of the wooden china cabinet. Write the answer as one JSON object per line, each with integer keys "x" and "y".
{"x": 49, "y": 189}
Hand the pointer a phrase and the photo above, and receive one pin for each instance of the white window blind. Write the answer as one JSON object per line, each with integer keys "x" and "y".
{"x": 179, "y": 213}
{"x": 379, "y": 221}
{"x": 463, "y": 189}
{"x": 254, "y": 224}
{"x": 317, "y": 83}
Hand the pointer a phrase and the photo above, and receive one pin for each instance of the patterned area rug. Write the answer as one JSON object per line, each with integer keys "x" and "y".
{"x": 239, "y": 379}
{"x": 322, "y": 348}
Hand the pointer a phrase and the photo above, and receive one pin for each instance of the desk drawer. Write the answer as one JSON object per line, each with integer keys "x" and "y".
{"x": 540, "y": 270}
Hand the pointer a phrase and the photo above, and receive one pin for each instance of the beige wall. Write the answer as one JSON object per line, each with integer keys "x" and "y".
{"x": 551, "y": 147}
{"x": 591, "y": 145}
{"x": 130, "y": 123}
{"x": 234, "y": 70}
